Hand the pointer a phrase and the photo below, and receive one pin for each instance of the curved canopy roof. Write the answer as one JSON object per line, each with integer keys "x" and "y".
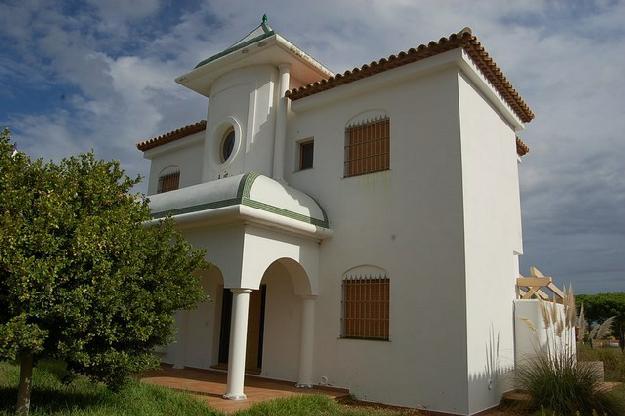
{"x": 250, "y": 189}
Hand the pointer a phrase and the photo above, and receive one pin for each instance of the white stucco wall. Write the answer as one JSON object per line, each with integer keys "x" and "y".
{"x": 245, "y": 99}
{"x": 202, "y": 326}
{"x": 492, "y": 235}
{"x": 224, "y": 248}
{"x": 186, "y": 154}
{"x": 282, "y": 326}
{"x": 531, "y": 335}
{"x": 407, "y": 220}
{"x": 197, "y": 330}
{"x": 263, "y": 246}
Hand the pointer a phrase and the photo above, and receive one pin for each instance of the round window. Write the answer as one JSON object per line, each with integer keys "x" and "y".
{"x": 227, "y": 145}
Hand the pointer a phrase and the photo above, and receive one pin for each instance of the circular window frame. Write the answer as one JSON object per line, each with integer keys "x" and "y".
{"x": 219, "y": 135}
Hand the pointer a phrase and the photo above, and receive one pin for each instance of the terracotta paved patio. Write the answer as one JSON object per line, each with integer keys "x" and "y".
{"x": 209, "y": 386}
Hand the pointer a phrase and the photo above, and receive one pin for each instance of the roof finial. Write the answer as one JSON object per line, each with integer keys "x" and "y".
{"x": 264, "y": 19}
{"x": 465, "y": 30}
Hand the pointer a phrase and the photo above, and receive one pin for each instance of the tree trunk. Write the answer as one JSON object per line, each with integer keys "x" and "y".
{"x": 26, "y": 384}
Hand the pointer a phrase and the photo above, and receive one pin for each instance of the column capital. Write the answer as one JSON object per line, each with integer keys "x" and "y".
{"x": 284, "y": 68}
{"x": 238, "y": 290}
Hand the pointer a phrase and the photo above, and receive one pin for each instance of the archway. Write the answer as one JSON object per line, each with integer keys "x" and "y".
{"x": 283, "y": 342}
{"x": 273, "y": 324}
{"x": 197, "y": 329}
{"x": 284, "y": 283}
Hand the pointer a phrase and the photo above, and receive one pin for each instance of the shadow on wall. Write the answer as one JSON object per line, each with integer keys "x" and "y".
{"x": 265, "y": 129}
{"x": 486, "y": 388}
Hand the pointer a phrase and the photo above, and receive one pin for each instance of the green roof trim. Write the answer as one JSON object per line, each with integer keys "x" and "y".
{"x": 267, "y": 32}
{"x": 243, "y": 198}
{"x": 246, "y": 184}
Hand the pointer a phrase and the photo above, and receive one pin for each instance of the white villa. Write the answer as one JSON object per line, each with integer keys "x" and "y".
{"x": 364, "y": 228}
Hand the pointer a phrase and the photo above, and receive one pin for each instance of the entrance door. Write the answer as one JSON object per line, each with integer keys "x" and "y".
{"x": 255, "y": 327}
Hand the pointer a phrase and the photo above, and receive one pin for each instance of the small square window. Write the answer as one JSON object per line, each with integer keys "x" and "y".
{"x": 306, "y": 154}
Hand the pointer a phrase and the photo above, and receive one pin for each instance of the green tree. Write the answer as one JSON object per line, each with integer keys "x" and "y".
{"x": 82, "y": 278}
{"x": 601, "y": 306}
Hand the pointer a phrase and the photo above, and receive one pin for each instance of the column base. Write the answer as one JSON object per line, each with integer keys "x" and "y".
{"x": 235, "y": 396}
{"x": 303, "y": 386}
{"x": 178, "y": 367}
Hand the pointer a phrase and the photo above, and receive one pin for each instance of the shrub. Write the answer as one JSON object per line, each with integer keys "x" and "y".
{"x": 554, "y": 378}
{"x": 82, "y": 278}
{"x": 565, "y": 387}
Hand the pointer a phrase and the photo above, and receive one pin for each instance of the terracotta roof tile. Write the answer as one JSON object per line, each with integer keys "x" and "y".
{"x": 521, "y": 148}
{"x": 464, "y": 39}
{"x": 171, "y": 136}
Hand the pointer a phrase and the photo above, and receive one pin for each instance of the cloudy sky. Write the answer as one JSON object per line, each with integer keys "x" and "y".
{"x": 98, "y": 74}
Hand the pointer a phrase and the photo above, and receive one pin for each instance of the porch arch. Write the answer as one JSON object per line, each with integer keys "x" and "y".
{"x": 196, "y": 341}
{"x": 255, "y": 265}
{"x": 285, "y": 287}
{"x": 299, "y": 278}
{"x": 262, "y": 248}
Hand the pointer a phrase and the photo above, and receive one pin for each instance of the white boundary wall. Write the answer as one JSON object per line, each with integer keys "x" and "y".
{"x": 530, "y": 342}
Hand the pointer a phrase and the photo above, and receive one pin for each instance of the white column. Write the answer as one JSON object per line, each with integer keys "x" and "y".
{"x": 181, "y": 329}
{"x": 238, "y": 344}
{"x": 281, "y": 120}
{"x": 307, "y": 340}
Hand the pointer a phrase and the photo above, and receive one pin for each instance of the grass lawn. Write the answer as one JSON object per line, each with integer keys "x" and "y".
{"x": 613, "y": 360}
{"x": 84, "y": 398}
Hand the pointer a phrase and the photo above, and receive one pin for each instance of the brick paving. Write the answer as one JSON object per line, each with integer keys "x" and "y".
{"x": 209, "y": 386}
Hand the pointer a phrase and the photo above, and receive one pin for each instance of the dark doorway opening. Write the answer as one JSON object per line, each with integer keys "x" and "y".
{"x": 255, "y": 329}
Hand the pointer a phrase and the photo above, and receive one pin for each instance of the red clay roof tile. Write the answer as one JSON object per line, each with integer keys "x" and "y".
{"x": 464, "y": 39}
{"x": 521, "y": 148}
{"x": 171, "y": 136}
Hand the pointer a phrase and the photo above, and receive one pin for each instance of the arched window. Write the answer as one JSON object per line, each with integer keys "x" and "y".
{"x": 367, "y": 144}
{"x": 169, "y": 179}
{"x": 365, "y": 303}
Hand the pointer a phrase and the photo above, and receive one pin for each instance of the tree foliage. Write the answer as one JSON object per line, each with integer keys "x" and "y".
{"x": 82, "y": 278}
{"x": 601, "y": 306}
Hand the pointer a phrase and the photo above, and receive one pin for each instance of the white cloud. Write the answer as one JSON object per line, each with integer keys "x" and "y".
{"x": 565, "y": 59}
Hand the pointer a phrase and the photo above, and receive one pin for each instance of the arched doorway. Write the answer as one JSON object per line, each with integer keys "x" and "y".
{"x": 282, "y": 321}
{"x": 273, "y": 321}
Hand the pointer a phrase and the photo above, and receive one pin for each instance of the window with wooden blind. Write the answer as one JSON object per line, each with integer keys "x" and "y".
{"x": 168, "y": 182}
{"x": 367, "y": 147}
{"x": 365, "y": 307}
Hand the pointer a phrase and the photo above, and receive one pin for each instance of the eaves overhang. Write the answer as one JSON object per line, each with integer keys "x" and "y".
{"x": 270, "y": 49}
{"x": 453, "y": 58}
{"x": 464, "y": 40}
